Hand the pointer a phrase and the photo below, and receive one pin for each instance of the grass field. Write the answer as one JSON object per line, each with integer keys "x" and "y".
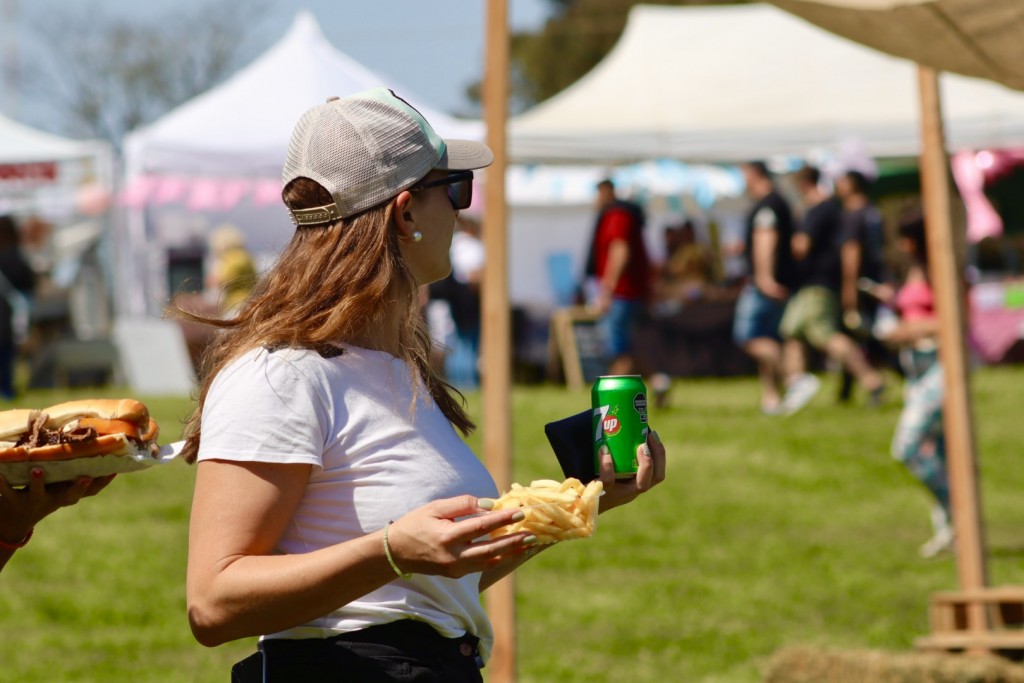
{"x": 769, "y": 532}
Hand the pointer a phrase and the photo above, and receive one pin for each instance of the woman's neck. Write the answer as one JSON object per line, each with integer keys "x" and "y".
{"x": 385, "y": 335}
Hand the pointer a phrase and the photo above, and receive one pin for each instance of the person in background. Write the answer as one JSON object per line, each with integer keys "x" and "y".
{"x": 861, "y": 256}
{"x": 688, "y": 267}
{"x": 919, "y": 441}
{"x": 17, "y": 281}
{"x": 232, "y": 273}
{"x": 769, "y": 261}
{"x": 620, "y": 267}
{"x": 337, "y": 511}
{"x": 812, "y": 313}
{"x": 461, "y": 290}
{"x": 21, "y": 509}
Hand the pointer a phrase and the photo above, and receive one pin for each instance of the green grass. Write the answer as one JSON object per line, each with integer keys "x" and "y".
{"x": 768, "y": 532}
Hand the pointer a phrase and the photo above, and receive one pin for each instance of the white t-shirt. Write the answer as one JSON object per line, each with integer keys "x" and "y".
{"x": 374, "y": 458}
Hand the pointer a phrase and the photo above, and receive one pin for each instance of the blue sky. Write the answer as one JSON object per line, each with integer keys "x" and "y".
{"x": 435, "y": 47}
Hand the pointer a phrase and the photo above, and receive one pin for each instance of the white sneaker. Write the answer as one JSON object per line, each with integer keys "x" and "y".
{"x": 941, "y": 542}
{"x": 800, "y": 393}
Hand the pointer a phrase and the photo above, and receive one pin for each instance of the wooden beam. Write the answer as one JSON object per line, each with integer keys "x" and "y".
{"x": 496, "y": 328}
{"x": 946, "y": 268}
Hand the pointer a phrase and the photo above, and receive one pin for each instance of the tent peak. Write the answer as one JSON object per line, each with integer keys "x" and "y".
{"x": 305, "y": 27}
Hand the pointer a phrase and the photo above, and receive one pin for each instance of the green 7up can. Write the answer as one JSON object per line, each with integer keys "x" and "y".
{"x": 620, "y": 420}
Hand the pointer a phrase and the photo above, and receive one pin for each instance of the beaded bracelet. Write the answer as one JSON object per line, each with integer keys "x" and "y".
{"x": 11, "y": 547}
{"x": 387, "y": 553}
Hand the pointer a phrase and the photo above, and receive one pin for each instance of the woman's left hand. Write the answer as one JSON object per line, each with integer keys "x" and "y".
{"x": 650, "y": 473}
{"x": 21, "y": 509}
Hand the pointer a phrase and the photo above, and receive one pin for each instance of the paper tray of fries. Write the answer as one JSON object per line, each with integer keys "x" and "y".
{"x": 554, "y": 511}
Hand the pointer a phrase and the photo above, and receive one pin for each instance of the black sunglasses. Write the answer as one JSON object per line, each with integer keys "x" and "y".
{"x": 459, "y": 187}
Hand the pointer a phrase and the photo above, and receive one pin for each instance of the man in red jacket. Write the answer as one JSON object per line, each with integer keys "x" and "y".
{"x": 622, "y": 269}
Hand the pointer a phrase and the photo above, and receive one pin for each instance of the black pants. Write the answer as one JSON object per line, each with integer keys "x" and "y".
{"x": 404, "y": 650}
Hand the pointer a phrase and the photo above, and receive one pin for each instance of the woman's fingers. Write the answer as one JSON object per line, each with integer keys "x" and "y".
{"x": 73, "y": 493}
{"x": 645, "y": 467}
{"x": 606, "y": 466}
{"x": 467, "y": 530}
{"x": 460, "y": 506}
{"x": 491, "y": 549}
{"x": 37, "y": 486}
{"x": 98, "y": 484}
{"x": 657, "y": 450}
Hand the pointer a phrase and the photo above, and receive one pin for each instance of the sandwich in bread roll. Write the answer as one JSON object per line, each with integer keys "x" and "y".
{"x": 77, "y": 429}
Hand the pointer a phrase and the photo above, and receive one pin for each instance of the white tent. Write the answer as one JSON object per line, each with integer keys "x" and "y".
{"x": 39, "y": 171}
{"x": 197, "y": 164}
{"x": 736, "y": 82}
{"x": 20, "y": 144}
{"x": 242, "y": 126}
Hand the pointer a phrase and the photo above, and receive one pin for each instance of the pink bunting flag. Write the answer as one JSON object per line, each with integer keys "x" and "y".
{"x": 138, "y": 192}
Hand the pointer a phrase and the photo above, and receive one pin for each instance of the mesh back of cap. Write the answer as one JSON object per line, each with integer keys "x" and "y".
{"x": 362, "y": 151}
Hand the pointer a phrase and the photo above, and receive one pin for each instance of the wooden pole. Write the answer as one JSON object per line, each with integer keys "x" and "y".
{"x": 946, "y": 268}
{"x": 496, "y": 329}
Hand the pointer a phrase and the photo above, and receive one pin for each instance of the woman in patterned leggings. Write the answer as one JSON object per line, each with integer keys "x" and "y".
{"x": 919, "y": 442}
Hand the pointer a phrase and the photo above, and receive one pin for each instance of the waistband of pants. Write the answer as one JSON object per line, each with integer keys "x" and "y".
{"x": 416, "y": 638}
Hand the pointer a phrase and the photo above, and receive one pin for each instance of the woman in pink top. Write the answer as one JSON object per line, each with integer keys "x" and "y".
{"x": 919, "y": 442}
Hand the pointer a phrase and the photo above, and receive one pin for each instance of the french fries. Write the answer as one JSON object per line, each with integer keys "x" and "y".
{"x": 555, "y": 511}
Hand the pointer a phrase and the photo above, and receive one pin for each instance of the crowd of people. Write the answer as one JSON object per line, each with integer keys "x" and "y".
{"x": 802, "y": 291}
{"x": 815, "y": 282}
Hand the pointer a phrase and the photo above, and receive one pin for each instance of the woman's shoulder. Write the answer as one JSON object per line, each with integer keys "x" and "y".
{"x": 276, "y": 366}
{"x": 321, "y": 366}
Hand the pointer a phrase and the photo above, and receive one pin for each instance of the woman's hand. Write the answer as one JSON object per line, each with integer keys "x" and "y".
{"x": 21, "y": 509}
{"x": 650, "y": 473}
{"x": 911, "y": 331}
{"x": 433, "y": 539}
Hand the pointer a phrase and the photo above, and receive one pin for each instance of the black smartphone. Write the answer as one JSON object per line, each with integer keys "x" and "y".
{"x": 572, "y": 439}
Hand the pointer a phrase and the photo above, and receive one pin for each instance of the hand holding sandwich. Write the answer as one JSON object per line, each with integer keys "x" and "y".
{"x": 81, "y": 429}
{"x": 21, "y": 509}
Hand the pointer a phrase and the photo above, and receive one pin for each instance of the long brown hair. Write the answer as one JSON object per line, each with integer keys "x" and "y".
{"x": 331, "y": 284}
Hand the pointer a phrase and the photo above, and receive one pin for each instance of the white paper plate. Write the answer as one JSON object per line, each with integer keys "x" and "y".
{"x": 19, "y": 473}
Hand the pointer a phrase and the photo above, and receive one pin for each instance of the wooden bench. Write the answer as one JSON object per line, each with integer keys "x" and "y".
{"x": 1004, "y": 612}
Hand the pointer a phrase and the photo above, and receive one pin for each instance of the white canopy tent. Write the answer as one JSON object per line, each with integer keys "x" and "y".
{"x": 242, "y": 126}
{"x": 736, "y": 82}
{"x": 40, "y": 172}
{"x": 228, "y": 145}
{"x": 20, "y": 144}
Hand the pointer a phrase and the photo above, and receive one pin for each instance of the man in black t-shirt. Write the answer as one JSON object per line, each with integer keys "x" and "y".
{"x": 861, "y": 256}
{"x": 812, "y": 314}
{"x": 771, "y": 276}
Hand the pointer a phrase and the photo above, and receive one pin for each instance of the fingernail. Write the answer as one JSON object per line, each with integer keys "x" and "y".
{"x": 529, "y": 539}
{"x": 655, "y": 435}
{"x": 645, "y": 449}
{"x": 485, "y": 503}
{"x": 519, "y": 516}
{"x": 604, "y": 450}
{"x": 37, "y": 473}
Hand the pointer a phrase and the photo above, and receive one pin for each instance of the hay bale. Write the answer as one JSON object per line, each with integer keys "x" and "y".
{"x": 805, "y": 664}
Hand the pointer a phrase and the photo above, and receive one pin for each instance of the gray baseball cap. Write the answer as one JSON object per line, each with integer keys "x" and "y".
{"x": 366, "y": 148}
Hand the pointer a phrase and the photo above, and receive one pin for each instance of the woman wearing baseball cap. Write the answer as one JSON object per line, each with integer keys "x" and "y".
{"x": 337, "y": 512}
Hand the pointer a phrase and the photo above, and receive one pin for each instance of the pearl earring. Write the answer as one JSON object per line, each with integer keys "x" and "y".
{"x": 417, "y": 235}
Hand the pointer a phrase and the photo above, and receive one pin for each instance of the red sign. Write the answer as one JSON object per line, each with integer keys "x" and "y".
{"x": 39, "y": 172}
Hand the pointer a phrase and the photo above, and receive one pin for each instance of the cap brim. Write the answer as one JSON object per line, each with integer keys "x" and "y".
{"x": 465, "y": 155}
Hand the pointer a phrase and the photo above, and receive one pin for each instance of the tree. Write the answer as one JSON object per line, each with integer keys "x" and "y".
{"x": 110, "y": 75}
